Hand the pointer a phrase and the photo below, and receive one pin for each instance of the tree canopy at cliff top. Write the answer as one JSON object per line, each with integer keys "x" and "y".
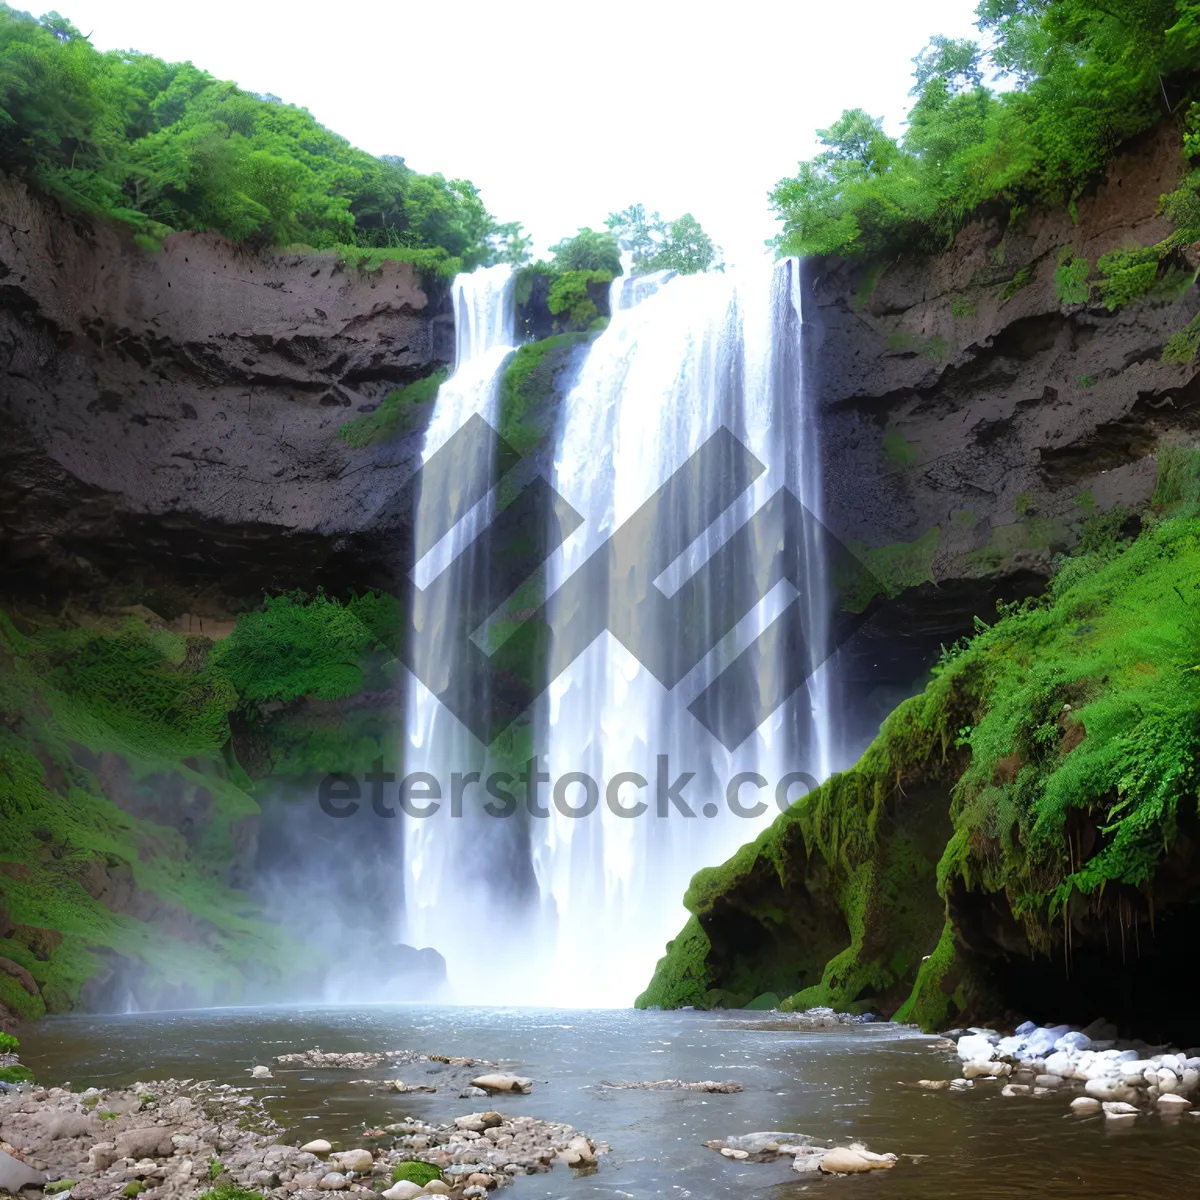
{"x": 1087, "y": 78}
{"x": 167, "y": 146}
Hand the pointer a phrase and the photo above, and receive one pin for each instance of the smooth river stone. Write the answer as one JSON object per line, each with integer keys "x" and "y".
{"x": 15, "y": 1175}
{"x": 839, "y": 1161}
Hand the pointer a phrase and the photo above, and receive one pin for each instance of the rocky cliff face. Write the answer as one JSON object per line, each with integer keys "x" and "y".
{"x": 178, "y": 410}
{"x": 973, "y": 415}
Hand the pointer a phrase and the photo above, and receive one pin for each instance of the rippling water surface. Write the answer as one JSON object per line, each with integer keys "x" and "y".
{"x": 844, "y": 1085}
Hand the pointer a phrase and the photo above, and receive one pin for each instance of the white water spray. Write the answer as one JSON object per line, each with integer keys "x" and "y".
{"x": 442, "y": 855}
{"x": 682, "y": 357}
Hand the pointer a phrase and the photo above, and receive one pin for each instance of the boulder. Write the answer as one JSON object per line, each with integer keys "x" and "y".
{"x": 1118, "y": 1108}
{"x": 320, "y": 1146}
{"x": 503, "y": 1083}
{"x": 1085, "y": 1105}
{"x": 1169, "y": 1102}
{"x": 845, "y": 1161}
{"x": 358, "y": 1161}
{"x": 152, "y": 1142}
{"x": 404, "y": 1190}
{"x": 478, "y": 1122}
{"x": 976, "y": 1048}
{"x": 979, "y": 1070}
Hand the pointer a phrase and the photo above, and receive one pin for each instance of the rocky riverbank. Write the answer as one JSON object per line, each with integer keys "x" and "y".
{"x": 1088, "y": 1070}
{"x": 178, "y": 1139}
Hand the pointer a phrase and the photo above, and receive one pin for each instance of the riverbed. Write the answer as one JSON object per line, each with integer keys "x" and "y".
{"x": 844, "y": 1084}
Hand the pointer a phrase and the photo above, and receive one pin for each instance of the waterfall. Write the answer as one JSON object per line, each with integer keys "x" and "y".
{"x": 560, "y": 910}
{"x": 449, "y": 864}
{"x": 681, "y": 357}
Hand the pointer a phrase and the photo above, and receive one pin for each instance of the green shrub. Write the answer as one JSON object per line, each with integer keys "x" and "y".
{"x": 16, "y": 1074}
{"x": 8, "y": 1043}
{"x": 569, "y": 297}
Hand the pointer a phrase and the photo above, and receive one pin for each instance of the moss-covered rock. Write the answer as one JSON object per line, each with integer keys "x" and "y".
{"x": 1036, "y": 803}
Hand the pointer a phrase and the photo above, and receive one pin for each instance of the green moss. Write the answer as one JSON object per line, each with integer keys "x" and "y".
{"x": 899, "y": 449}
{"x": 230, "y": 1191}
{"x": 419, "y": 1173}
{"x": 1177, "y": 484}
{"x": 1007, "y": 541}
{"x": 936, "y": 347}
{"x": 1182, "y": 346}
{"x": 681, "y": 977}
{"x": 1070, "y": 279}
{"x": 962, "y": 307}
{"x": 867, "y": 282}
{"x": 1023, "y": 278}
{"x": 529, "y": 385}
{"x": 108, "y": 1116}
{"x": 1085, "y": 381}
{"x": 16, "y": 1074}
{"x": 398, "y": 412}
{"x": 889, "y": 569}
{"x": 59, "y": 1185}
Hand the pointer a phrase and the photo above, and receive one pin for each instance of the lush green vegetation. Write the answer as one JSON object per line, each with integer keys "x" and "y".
{"x": 166, "y": 146}
{"x": 111, "y": 732}
{"x": 582, "y": 265}
{"x": 398, "y": 412}
{"x": 528, "y": 386}
{"x": 1081, "y": 708}
{"x": 1087, "y": 76}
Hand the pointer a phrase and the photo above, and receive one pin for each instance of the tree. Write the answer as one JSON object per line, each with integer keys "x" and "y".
{"x": 166, "y": 146}
{"x": 588, "y": 250}
{"x": 657, "y": 245}
{"x": 956, "y": 62}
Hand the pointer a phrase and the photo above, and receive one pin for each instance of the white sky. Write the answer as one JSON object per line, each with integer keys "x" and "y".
{"x": 561, "y": 112}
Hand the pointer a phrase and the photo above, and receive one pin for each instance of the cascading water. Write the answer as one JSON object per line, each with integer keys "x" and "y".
{"x": 681, "y": 357}
{"x": 450, "y": 863}
{"x": 575, "y": 911}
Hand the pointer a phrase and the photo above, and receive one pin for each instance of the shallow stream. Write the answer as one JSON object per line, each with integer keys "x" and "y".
{"x": 844, "y": 1084}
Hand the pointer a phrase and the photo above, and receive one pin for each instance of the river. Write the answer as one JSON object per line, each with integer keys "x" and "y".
{"x": 843, "y": 1084}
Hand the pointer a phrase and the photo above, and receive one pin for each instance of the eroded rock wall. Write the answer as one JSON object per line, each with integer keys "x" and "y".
{"x": 184, "y": 403}
{"x": 971, "y": 413}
